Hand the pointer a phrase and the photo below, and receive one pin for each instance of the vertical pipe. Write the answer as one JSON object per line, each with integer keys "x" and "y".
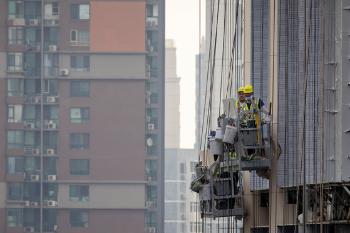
{"x": 41, "y": 112}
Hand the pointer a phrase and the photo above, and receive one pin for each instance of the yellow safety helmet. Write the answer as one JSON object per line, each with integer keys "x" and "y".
{"x": 248, "y": 89}
{"x": 241, "y": 90}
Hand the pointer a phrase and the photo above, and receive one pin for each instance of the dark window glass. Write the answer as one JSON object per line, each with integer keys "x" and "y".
{"x": 79, "y": 166}
{"x": 78, "y": 218}
{"x": 14, "y": 217}
{"x": 14, "y": 191}
{"x": 80, "y": 63}
{"x": 79, "y": 193}
{"x": 80, "y": 88}
{"x": 79, "y": 140}
{"x": 264, "y": 199}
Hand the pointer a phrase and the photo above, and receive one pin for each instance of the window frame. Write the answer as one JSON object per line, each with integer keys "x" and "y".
{"x": 73, "y": 213}
{"x": 76, "y": 11}
{"x": 79, "y": 172}
{"x": 76, "y": 192}
{"x": 80, "y": 63}
{"x": 19, "y": 215}
{"x": 84, "y": 113}
{"x": 83, "y": 138}
{"x": 79, "y": 93}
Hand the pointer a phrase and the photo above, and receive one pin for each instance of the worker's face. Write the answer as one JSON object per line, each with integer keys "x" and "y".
{"x": 241, "y": 96}
{"x": 248, "y": 95}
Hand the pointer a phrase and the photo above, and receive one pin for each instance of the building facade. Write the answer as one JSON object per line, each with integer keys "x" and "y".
{"x": 155, "y": 114}
{"x": 296, "y": 55}
{"x": 75, "y": 116}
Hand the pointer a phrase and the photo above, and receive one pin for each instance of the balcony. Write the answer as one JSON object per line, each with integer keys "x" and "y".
{"x": 36, "y": 99}
{"x": 16, "y": 21}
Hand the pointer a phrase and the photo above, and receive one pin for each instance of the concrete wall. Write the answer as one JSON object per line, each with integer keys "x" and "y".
{"x": 112, "y": 66}
{"x": 106, "y": 196}
{"x": 113, "y": 19}
{"x": 116, "y": 132}
{"x": 126, "y": 221}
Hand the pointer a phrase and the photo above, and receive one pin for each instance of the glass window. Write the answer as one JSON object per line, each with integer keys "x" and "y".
{"x": 32, "y": 10}
{"x": 50, "y": 140}
{"x": 32, "y": 36}
{"x": 80, "y": 63}
{"x": 80, "y": 11}
{"x": 79, "y": 140}
{"x": 151, "y": 193}
{"x": 193, "y": 207}
{"x": 29, "y": 112}
{"x": 84, "y": 37}
{"x": 30, "y": 138}
{"x": 79, "y": 115}
{"x": 15, "y": 9}
{"x": 14, "y": 217}
{"x": 15, "y": 35}
{"x": 51, "y": 9}
{"x": 14, "y": 87}
{"x": 14, "y": 113}
{"x": 80, "y": 88}
{"x": 79, "y": 193}
{"x": 84, "y": 11}
{"x": 79, "y": 218}
{"x": 31, "y": 164}
{"x": 15, "y": 165}
{"x": 79, "y": 166}
{"x": 14, "y": 191}
{"x": 74, "y": 36}
{"x": 15, "y": 61}
{"x": 14, "y": 139}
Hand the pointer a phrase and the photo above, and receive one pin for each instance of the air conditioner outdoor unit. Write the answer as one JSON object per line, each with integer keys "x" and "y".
{"x": 34, "y": 177}
{"x": 150, "y": 126}
{"x": 52, "y": 48}
{"x": 26, "y": 203}
{"x": 36, "y": 99}
{"x": 51, "y": 22}
{"x": 29, "y": 125}
{"x": 51, "y": 177}
{"x": 35, "y": 151}
{"x": 152, "y": 230}
{"x": 51, "y": 99}
{"x": 33, "y": 22}
{"x": 64, "y": 72}
{"x": 29, "y": 229}
{"x": 52, "y": 203}
{"x": 50, "y": 151}
{"x": 52, "y": 125}
{"x": 34, "y": 203}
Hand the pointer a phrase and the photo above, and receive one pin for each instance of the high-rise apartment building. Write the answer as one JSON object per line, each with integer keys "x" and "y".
{"x": 172, "y": 98}
{"x": 155, "y": 87}
{"x": 78, "y": 151}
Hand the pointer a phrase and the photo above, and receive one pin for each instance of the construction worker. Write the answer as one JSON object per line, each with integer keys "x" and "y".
{"x": 241, "y": 98}
{"x": 253, "y": 105}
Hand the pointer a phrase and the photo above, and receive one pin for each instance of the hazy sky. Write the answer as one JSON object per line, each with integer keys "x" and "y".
{"x": 182, "y": 26}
